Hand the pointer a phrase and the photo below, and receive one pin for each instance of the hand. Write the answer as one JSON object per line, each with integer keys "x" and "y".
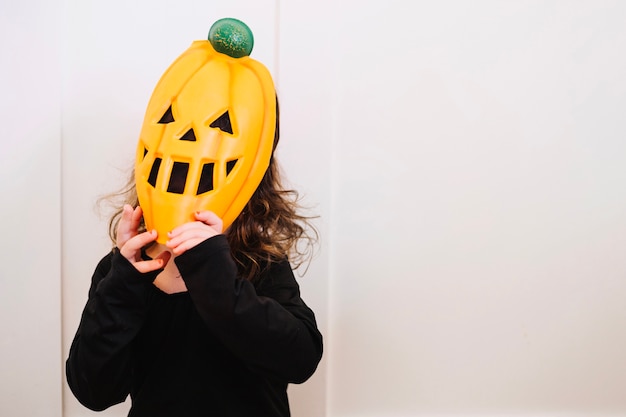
{"x": 185, "y": 237}
{"x": 130, "y": 242}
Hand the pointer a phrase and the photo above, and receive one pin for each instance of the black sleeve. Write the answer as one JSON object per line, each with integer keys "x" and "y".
{"x": 268, "y": 327}
{"x": 98, "y": 365}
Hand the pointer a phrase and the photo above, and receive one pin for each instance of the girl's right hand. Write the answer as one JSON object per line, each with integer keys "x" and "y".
{"x": 129, "y": 241}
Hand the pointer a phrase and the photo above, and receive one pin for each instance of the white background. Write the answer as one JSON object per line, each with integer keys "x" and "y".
{"x": 468, "y": 161}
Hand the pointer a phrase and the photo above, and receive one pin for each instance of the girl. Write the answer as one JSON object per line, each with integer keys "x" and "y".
{"x": 203, "y": 321}
{"x": 210, "y": 324}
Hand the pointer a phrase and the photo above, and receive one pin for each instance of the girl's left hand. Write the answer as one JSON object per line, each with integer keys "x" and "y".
{"x": 185, "y": 237}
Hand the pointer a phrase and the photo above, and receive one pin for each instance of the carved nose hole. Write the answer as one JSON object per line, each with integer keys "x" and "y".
{"x": 206, "y": 179}
{"x": 178, "y": 178}
{"x": 189, "y": 135}
{"x": 154, "y": 172}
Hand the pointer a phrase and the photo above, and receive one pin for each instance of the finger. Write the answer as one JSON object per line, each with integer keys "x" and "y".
{"x": 190, "y": 231}
{"x": 190, "y": 238}
{"x": 185, "y": 245}
{"x": 164, "y": 256}
{"x": 211, "y": 219}
{"x": 150, "y": 265}
{"x": 127, "y": 213}
{"x": 124, "y": 229}
{"x": 205, "y": 218}
{"x": 185, "y": 227}
{"x": 132, "y": 247}
{"x": 136, "y": 217}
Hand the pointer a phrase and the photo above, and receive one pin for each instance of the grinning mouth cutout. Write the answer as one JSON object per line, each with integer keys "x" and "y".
{"x": 180, "y": 171}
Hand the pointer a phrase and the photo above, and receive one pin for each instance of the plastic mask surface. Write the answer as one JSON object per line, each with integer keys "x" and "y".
{"x": 206, "y": 140}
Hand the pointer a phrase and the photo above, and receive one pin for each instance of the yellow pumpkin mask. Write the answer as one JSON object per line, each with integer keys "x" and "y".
{"x": 208, "y": 132}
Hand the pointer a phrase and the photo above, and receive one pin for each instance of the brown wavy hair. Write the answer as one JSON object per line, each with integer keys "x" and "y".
{"x": 269, "y": 229}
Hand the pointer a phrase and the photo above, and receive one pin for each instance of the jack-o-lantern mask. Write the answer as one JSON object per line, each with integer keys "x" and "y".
{"x": 208, "y": 132}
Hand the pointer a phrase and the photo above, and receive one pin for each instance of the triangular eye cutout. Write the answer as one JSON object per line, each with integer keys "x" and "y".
{"x": 168, "y": 117}
{"x": 223, "y": 123}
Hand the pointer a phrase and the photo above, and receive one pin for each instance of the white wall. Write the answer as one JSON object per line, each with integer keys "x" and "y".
{"x": 479, "y": 212}
{"x": 305, "y": 89}
{"x": 30, "y": 183}
{"x": 466, "y": 159}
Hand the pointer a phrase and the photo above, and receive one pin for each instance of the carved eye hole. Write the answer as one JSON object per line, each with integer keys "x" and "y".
{"x": 167, "y": 117}
{"x": 223, "y": 123}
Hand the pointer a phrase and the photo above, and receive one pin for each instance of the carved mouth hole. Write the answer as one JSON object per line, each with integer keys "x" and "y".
{"x": 178, "y": 178}
{"x": 230, "y": 165}
{"x": 206, "y": 179}
{"x": 154, "y": 172}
